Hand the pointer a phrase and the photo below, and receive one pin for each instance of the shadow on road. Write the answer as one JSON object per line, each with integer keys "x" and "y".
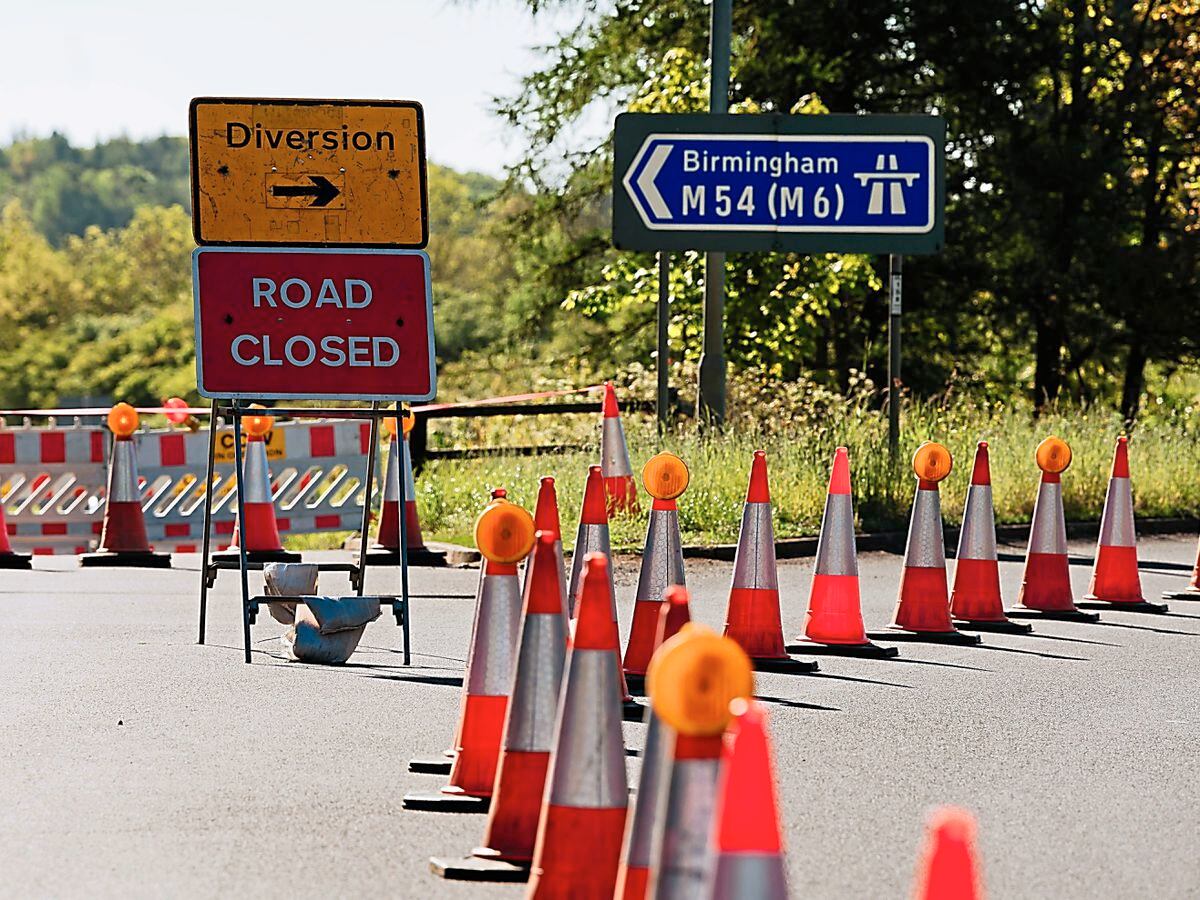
{"x": 860, "y": 680}
{"x": 1031, "y": 652}
{"x": 930, "y": 662}
{"x": 795, "y": 704}
{"x": 1068, "y": 640}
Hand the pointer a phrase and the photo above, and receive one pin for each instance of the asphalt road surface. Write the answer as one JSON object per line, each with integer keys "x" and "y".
{"x": 135, "y": 763}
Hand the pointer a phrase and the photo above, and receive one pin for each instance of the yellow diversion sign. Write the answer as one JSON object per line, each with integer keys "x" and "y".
{"x": 308, "y": 172}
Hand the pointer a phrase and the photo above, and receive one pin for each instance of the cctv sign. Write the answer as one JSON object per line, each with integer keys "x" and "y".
{"x": 314, "y": 324}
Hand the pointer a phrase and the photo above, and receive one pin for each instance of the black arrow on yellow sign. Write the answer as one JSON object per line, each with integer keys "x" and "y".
{"x": 322, "y": 190}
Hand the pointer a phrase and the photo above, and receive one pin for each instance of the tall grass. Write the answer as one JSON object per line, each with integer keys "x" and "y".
{"x": 799, "y": 438}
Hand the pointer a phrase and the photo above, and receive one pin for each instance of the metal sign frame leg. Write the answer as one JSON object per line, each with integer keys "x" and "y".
{"x": 208, "y": 492}
{"x": 403, "y": 445}
{"x": 241, "y": 512}
{"x": 359, "y": 577}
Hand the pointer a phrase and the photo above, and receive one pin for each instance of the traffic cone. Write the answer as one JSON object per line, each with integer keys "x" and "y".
{"x": 582, "y": 821}
{"x": 746, "y": 837}
{"x": 1046, "y": 586}
{"x": 123, "y": 540}
{"x": 592, "y": 537}
{"x": 386, "y": 549}
{"x": 545, "y": 518}
{"x": 834, "y": 623}
{"x": 923, "y": 609}
{"x": 947, "y": 869}
{"x": 503, "y": 534}
{"x": 753, "y": 618}
{"x": 693, "y": 680}
{"x": 261, "y": 532}
{"x": 528, "y": 728}
{"x": 614, "y": 458}
{"x": 1115, "y": 580}
{"x": 9, "y": 558}
{"x": 666, "y": 478}
{"x": 1192, "y": 591}
{"x": 634, "y": 872}
{"x": 975, "y": 599}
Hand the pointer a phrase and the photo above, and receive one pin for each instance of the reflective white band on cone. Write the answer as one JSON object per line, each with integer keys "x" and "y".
{"x": 754, "y": 563}
{"x": 835, "y": 547}
{"x": 1049, "y": 532}
{"x": 589, "y": 758}
{"x": 925, "y": 548}
{"x": 662, "y": 561}
{"x": 1117, "y": 527}
{"x": 977, "y": 540}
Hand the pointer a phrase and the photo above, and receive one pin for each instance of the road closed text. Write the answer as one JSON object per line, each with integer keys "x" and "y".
{"x": 301, "y": 350}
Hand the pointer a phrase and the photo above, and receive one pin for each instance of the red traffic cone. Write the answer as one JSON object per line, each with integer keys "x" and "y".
{"x": 1115, "y": 579}
{"x": 923, "y": 609}
{"x": 592, "y": 537}
{"x": 123, "y": 540}
{"x": 1046, "y": 587}
{"x": 975, "y": 599}
{"x": 947, "y": 869}
{"x": 545, "y": 518}
{"x": 525, "y": 747}
{"x": 634, "y": 873}
{"x": 746, "y": 836}
{"x": 260, "y": 530}
{"x": 9, "y": 558}
{"x": 693, "y": 680}
{"x": 386, "y": 549}
{"x": 753, "y": 618}
{"x": 666, "y": 478}
{"x": 503, "y": 533}
{"x": 582, "y": 821}
{"x": 834, "y": 623}
{"x": 1192, "y": 591}
{"x": 614, "y": 458}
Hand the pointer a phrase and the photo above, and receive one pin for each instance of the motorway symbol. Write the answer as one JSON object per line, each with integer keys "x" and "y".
{"x": 308, "y": 173}
{"x": 313, "y": 324}
{"x": 320, "y": 191}
{"x": 803, "y": 183}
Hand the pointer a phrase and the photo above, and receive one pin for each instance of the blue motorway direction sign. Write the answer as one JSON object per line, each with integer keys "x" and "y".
{"x": 871, "y": 184}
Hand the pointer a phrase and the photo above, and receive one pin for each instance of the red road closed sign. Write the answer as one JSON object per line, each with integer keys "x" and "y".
{"x": 313, "y": 324}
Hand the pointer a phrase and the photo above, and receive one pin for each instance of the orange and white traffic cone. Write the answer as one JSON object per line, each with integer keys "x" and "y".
{"x": 1115, "y": 580}
{"x": 582, "y": 821}
{"x": 123, "y": 540}
{"x": 948, "y": 869}
{"x": 975, "y": 601}
{"x": 634, "y": 873}
{"x": 592, "y": 537}
{"x": 614, "y": 458}
{"x": 923, "y": 608}
{"x": 528, "y": 729}
{"x": 1192, "y": 591}
{"x": 834, "y": 622}
{"x": 545, "y": 518}
{"x": 666, "y": 478}
{"x": 260, "y": 530}
{"x": 9, "y": 558}
{"x": 503, "y": 534}
{"x": 693, "y": 680}
{"x": 746, "y": 837}
{"x": 1046, "y": 587}
{"x": 386, "y": 549}
{"x": 753, "y": 618}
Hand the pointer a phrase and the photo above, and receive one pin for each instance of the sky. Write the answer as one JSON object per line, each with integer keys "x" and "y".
{"x": 94, "y": 69}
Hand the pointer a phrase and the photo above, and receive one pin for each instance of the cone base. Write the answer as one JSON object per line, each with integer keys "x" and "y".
{"x": 894, "y": 633}
{"x": 15, "y": 561}
{"x": 478, "y": 868}
{"x": 420, "y": 557}
{"x": 1142, "y": 606}
{"x": 1187, "y": 594}
{"x": 998, "y": 625}
{"x": 635, "y": 684}
{"x": 447, "y": 802}
{"x": 430, "y": 766}
{"x": 255, "y": 556}
{"x": 866, "y": 649}
{"x": 133, "y": 558}
{"x": 785, "y": 665}
{"x": 1063, "y": 615}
